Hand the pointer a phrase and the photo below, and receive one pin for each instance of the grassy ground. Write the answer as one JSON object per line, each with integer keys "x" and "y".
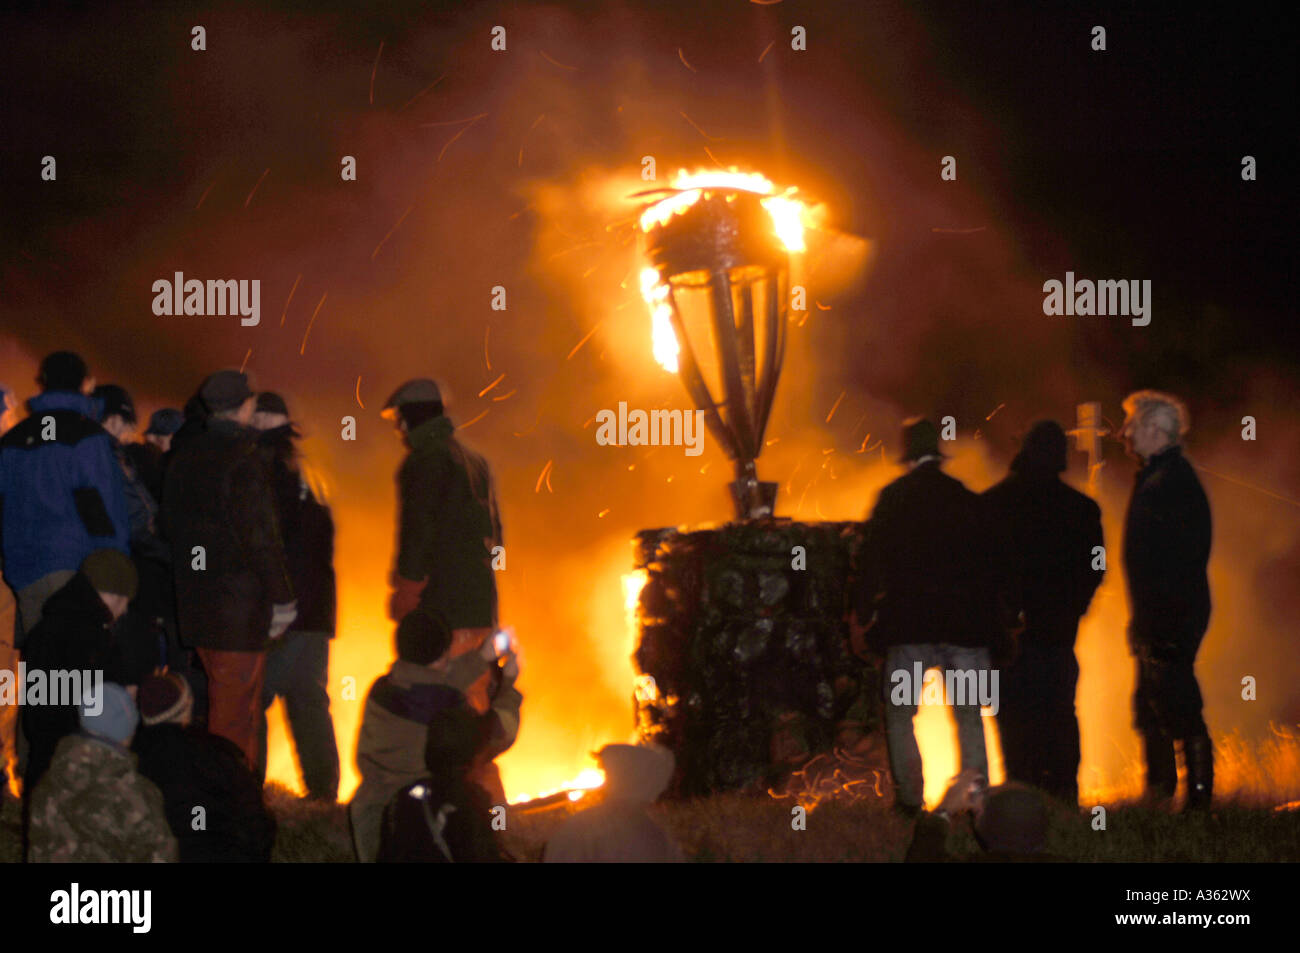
{"x": 733, "y": 827}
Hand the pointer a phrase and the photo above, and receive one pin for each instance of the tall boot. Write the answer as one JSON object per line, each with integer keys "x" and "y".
{"x": 1162, "y": 768}
{"x": 1198, "y": 752}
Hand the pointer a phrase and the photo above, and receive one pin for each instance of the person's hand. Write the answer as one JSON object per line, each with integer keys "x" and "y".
{"x": 511, "y": 667}
{"x": 282, "y": 616}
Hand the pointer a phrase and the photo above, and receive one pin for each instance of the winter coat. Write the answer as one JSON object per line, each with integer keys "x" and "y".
{"x": 307, "y": 529}
{"x": 216, "y": 495}
{"x": 146, "y": 461}
{"x": 92, "y": 806}
{"x": 394, "y": 730}
{"x": 76, "y": 633}
{"x": 1053, "y": 529}
{"x": 1167, "y": 535}
{"x": 193, "y": 768}
{"x": 61, "y": 497}
{"x": 934, "y": 562}
{"x": 432, "y": 823}
{"x": 448, "y": 526}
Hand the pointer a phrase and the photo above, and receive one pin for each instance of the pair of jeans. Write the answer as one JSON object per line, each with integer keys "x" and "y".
{"x": 297, "y": 670}
{"x": 904, "y": 754}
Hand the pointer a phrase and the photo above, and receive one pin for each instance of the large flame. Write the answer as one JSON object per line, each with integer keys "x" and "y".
{"x": 788, "y": 214}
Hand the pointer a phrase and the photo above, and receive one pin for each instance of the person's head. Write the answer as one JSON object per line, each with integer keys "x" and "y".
{"x": 413, "y": 403}
{"x": 162, "y": 425}
{"x": 271, "y": 411}
{"x": 423, "y": 638}
{"x": 1153, "y": 422}
{"x": 119, "y": 417}
{"x": 920, "y": 440}
{"x": 637, "y": 773}
{"x": 113, "y": 719}
{"x": 165, "y": 697}
{"x": 1012, "y": 819}
{"x": 113, "y": 576}
{"x": 456, "y": 735}
{"x": 62, "y": 371}
{"x": 226, "y": 395}
{"x": 1044, "y": 450}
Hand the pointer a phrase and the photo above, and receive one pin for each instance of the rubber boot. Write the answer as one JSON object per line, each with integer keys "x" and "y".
{"x": 1162, "y": 768}
{"x": 1198, "y": 752}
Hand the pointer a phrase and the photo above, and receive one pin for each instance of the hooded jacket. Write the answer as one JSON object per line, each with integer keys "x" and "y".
{"x": 217, "y": 495}
{"x": 61, "y": 493}
{"x": 394, "y": 729}
{"x": 93, "y": 807}
{"x": 448, "y": 526}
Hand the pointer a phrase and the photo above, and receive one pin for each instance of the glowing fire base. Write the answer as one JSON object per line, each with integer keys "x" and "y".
{"x": 743, "y": 650}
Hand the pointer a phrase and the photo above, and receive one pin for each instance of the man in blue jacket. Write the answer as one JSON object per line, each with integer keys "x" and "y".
{"x": 61, "y": 493}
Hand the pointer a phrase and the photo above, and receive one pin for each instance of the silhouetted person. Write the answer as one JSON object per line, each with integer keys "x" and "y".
{"x": 931, "y": 563}
{"x": 1167, "y": 534}
{"x": 1053, "y": 530}
{"x": 297, "y": 665}
{"x": 233, "y": 592}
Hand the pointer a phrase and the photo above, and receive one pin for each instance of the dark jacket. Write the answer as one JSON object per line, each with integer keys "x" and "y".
{"x": 216, "y": 495}
{"x": 147, "y": 462}
{"x": 437, "y": 821}
{"x": 307, "y": 529}
{"x": 1167, "y": 534}
{"x": 76, "y": 633}
{"x": 931, "y": 561}
{"x": 1052, "y": 529}
{"x": 193, "y": 769}
{"x": 60, "y": 498}
{"x": 448, "y": 525}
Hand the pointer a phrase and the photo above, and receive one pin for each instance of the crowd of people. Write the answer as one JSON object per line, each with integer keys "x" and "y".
{"x": 193, "y": 571}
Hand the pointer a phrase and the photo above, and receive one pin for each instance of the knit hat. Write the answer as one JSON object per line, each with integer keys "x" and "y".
{"x": 422, "y": 637}
{"x": 115, "y": 719}
{"x": 111, "y": 571}
{"x": 163, "y": 697}
{"x": 116, "y": 401}
{"x": 165, "y": 422}
{"x": 1044, "y": 449}
{"x": 224, "y": 390}
{"x": 455, "y": 735}
{"x": 920, "y": 439}
{"x": 1014, "y": 820}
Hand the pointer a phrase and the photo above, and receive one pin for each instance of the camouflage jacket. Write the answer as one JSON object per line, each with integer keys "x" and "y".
{"x": 93, "y": 807}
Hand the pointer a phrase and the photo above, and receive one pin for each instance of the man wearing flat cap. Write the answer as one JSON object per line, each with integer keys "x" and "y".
{"x": 448, "y": 526}
{"x": 233, "y": 589}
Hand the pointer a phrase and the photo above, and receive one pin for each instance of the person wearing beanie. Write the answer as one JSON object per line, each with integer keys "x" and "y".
{"x": 233, "y": 591}
{"x": 61, "y": 489}
{"x": 931, "y": 595}
{"x": 92, "y": 805}
{"x": 449, "y": 537}
{"x": 297, "y": 665}
{"x": 1054, "y": 533}
{"x": 618, "y": 827}
{"x": 80, "y": 631}
{"x": 146, "y": 457}
{"x": 445, "y": 817}
{"x": 193, "y": 767}
{"x": 424, "y": 681}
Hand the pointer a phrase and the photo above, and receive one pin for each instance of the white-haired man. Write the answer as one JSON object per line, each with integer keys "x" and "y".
{"x": 1167, "y": 534}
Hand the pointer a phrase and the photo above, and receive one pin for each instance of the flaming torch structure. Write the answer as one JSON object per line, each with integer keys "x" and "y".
{"x": 742, "y": 651}
{"x": 718, "y": 245}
